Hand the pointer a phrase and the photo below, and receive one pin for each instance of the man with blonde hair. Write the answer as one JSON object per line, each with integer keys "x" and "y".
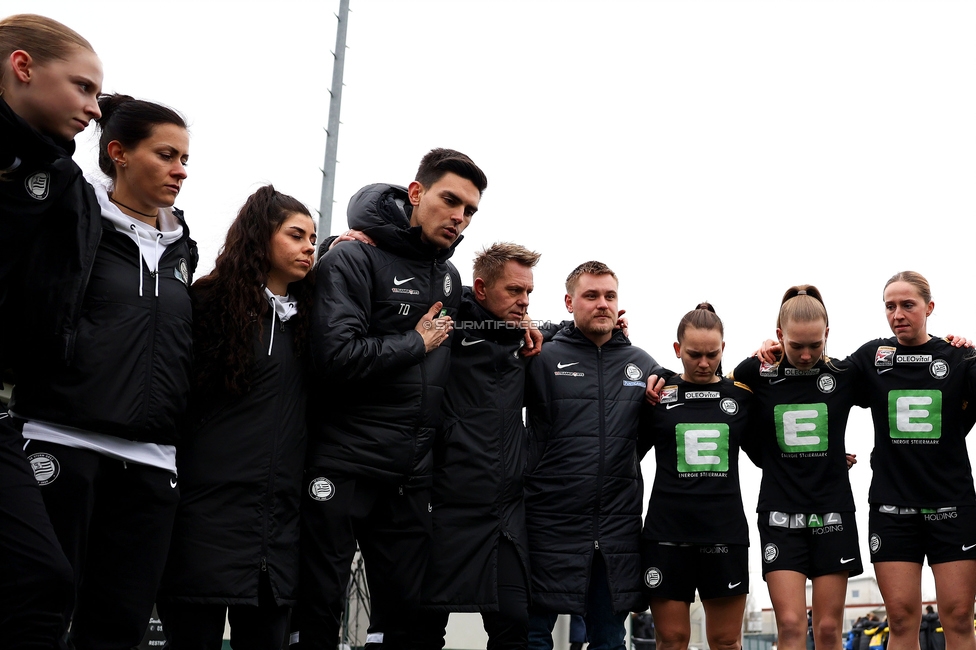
{"x": 478, "y": 560}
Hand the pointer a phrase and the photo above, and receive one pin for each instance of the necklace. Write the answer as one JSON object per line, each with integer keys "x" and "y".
{"x": 123, "y": 205}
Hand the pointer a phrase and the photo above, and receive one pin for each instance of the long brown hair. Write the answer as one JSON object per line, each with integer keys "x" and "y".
{"x": 230, "y": 301}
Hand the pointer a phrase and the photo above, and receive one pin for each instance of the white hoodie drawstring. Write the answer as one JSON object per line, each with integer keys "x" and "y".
{"x": 132, "y": 227}
{"x": 159, "y": 236}
{"x": 274, "y": 313}
{"x": 283, "y": 308}
{"x": 156, "y": 241}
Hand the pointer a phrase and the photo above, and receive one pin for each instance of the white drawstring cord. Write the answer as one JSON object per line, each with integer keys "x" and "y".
{"x": 273, "y": 314}
{"x": 132, "y": 227}
{"x": 159, "y": 236}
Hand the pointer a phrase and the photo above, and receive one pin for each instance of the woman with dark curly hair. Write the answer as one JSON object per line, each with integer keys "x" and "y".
{"x": 235, "y": 541}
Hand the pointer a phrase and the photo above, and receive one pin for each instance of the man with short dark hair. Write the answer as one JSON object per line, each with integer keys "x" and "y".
{"x": 381, "y": 316}
{"x": 585, "y": 393}
{"x": 479, "y": 557}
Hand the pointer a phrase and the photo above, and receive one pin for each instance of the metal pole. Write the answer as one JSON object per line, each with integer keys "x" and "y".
{"x": 332, "y": 132}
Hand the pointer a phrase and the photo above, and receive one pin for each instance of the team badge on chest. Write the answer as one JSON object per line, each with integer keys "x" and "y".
{"x": 38, "y": 185}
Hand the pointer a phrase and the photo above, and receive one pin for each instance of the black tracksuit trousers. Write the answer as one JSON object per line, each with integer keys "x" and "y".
{"x": 35, "y": 576}
{"x": 393, "y": 527}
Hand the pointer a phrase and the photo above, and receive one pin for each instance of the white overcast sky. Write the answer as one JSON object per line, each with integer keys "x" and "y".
{"x": 717, "y": 150}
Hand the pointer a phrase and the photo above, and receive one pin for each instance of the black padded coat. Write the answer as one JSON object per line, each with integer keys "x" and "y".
{"x": 240, "y": 471}
{"x": 479, "y": 458}
{"x": 583, "y": 488}
{"x": 379, "y": 392}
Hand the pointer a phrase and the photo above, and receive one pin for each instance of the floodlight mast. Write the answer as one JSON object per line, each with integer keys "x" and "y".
{"x": 332, "y": 132}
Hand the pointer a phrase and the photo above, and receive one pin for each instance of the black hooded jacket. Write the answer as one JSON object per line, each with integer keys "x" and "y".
{"x": 240, "y": 463}
{"x": 583, "y": 486}
{"x": 129, "y": 374}
{"x": 479, "y": 459}
{"x": 50, "y": 227}
{"x": 380, "y": 393}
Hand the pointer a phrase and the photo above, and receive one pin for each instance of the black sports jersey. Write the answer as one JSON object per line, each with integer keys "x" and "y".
{"x": 918, "y": 397}
{"x": 696, "y": 430}
{"x": 800, "y": 419}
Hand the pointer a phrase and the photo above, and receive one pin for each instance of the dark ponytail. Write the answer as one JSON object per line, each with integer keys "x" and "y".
{"x": 130, "y": 121}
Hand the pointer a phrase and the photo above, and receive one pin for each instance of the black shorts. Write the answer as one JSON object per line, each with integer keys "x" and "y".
{"x": 912, "y": 534}
{"x": 814, "y": 545}
{"x": 675, "y": 571}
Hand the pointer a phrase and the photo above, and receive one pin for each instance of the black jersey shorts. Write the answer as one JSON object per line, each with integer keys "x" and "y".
{"x": 675, "y": 571}
{"x": 899, "y": 534}
{"x": 811, "y": 544}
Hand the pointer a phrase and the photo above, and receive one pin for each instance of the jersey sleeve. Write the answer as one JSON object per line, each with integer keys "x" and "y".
{"x": 746, "y": 373}
{"x": 751, "y": 442}
{"x": 645, "y": 430}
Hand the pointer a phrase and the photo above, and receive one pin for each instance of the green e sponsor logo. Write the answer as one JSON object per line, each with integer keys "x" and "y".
{"x": 915, "y": 414}
{"x": 801, "y": 427}
{"x": 702, "y": 447}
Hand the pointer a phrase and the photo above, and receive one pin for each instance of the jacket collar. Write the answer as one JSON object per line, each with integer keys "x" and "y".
{"x": 383, "y": 212}
{"x": 25, "y": 140}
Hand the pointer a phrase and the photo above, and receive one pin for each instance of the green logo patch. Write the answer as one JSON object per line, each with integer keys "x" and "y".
{"x": 801, "y": 427}
{"x": 915, "y": 414}
{"x": 702, "y": 447}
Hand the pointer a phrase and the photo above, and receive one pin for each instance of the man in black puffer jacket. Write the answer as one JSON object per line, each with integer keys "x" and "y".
{"x": 479, "y": 557}
{"x": 380, "y": 317}
{"x": 583, "y": 485}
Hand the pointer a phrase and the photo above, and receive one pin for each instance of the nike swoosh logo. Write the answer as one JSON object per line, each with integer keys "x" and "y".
{"x": 671, "y": 406}
{"x": 566, "y": 365}
{"x": 846, "y": 560}
{"x": 399, "y": 282}
{"x": 966, "y": 548}
{"x": 467, "y": 342}
{"x": 881, "y": 372}
{"x": 172, "y": 482}
{"x": 776, "y": 381}
{"x": 733, "y": 586}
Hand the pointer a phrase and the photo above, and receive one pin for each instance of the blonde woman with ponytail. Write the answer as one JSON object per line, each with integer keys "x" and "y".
{"x": 806, "y": 507}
